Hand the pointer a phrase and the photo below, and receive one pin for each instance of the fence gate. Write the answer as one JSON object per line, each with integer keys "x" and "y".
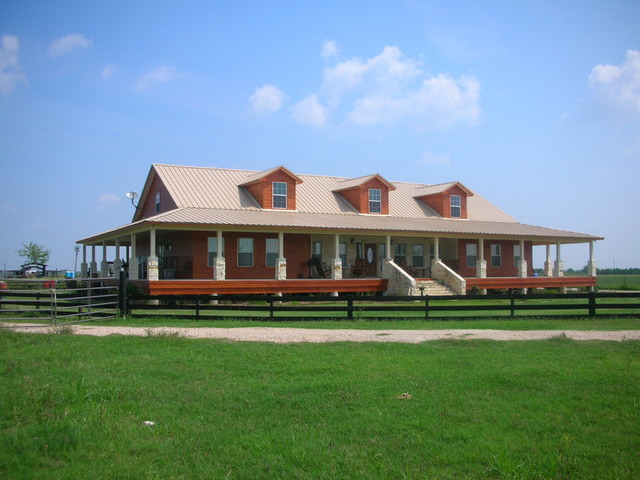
{"x": 59, "y": 302}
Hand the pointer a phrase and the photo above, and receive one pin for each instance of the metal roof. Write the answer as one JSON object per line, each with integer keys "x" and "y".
{"x": 212, "y": 197}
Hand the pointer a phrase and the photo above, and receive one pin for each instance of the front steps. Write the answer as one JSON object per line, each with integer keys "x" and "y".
{"x": 431, "y": 287}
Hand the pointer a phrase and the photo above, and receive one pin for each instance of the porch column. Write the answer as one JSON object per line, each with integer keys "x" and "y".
{"x": 548, "y": 266}
{"x": 133, "y": 259}
{"x": 117, "y": 263}
{"x": 336, "y": 268}
{"x": 219, "y": 263}
{"x": 152, "y": 261}
{"x": 558, "y": 269}
{"x": 93, "y": 266}
{"x": 388, "y": 248}
{"x": 84, "y": 267}
{"x": 591, "y": 269}
{"x": 281, "y": 263}
{"x": 481, "y": 263}
{"x": 436, "y": 253}
{"x": 522, "y": 267}
{"x": 104, "y": 265}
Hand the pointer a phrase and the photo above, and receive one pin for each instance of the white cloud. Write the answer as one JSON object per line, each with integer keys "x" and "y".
{"x": 329, "y": 49}
{"x": 68, "y": 44}
{"x": 388, "y": 88}
{"x": 617, "y": 88}
{"x": 109, "y": 71}
{"x": 10, "y": 69}
{"x": 159, "y": 75}
{"x": 109, "y": 198}
{"x": 435, "y": 159}
{"x": 310, "y": 112}
{"x": 267, "y": 99}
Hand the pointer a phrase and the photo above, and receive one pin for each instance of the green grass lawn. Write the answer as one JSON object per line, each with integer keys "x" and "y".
{"x": 618, "y": 282}
{"x": 74, "y": 407}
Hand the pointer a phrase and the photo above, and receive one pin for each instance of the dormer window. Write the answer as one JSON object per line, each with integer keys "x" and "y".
{"x": 279, "y": 195}
{"x": 455, "y": 202}
{"x": 375, "y": 200}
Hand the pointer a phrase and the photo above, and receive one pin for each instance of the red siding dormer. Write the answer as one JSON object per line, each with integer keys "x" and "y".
{"x": 448, "y": 200}
{"x": 273, "y": 189}
{"x": 368, "y": 195}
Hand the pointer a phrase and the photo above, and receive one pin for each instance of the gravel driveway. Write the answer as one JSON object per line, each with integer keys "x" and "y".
{"x": 307, "y": 335}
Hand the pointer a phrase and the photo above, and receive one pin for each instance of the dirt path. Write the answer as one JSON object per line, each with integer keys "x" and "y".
{"x": 306, "y": 335}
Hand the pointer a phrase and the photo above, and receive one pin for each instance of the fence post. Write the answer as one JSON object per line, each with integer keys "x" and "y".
{"x": 54, "y": 310}
{"x": 426, "y": 308}
{"x": 270, "y": 301}
{"x": 122, "y": 293}
{"x": 513, "y": 305}
{"x": 350, "y": 309}
{"x": 592, "y": 304}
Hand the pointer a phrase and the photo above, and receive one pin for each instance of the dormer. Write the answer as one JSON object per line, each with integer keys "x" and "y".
{"x": 273, "y": 189}
{"x": 369, "y": 194}
{"x": 449, "y": 200}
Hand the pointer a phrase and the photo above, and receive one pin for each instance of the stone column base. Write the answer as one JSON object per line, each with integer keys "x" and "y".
{"x": 152, "y": 269}
{"x": 336, "y": 269}
{"x": 220, "y": 269}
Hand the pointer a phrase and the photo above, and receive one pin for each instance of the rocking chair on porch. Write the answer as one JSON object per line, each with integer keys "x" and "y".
{"x": 357, "y": 270}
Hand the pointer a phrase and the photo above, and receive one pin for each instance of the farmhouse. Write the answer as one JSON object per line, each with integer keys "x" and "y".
{"x": 213, "y": 231}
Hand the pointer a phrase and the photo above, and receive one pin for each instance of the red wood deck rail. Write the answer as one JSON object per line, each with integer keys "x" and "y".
{"x": 530, "y": 282}
{"x": 249, "y": 287}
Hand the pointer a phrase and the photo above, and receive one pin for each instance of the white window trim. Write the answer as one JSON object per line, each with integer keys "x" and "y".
{"x": 458, "y": 206}
{"x": 275, "y": 195}
{"x": 375, "y": 201}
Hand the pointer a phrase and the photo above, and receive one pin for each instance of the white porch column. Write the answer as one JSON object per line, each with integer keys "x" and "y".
{"x": 117, "y": 263}
{"x": 591, "y": 269}
{"x": 84, "y": 267}
{"x": 152, "y": 261}
{"x": 548, "y": 265}
{"x": 558, "y": 269}
{"x": 481, "y": 263}
{"x": 219, "y": 264}
{"x": 522, "y": 267}
{"x": 93, "y": 266}
{"x": 388, "y": 248}
{"x": 281, "y": 263}
{"x": 133, "y": 259}
{"x": 436, "y": 253}
{"x": 104, "y": 265}
{"x": 336, "y": 268}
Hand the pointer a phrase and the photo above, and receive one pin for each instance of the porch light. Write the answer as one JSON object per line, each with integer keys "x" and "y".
{"x": 132, "y": 196}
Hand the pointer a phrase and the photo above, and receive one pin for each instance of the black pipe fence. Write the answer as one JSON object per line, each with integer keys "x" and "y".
{"x": 352, "y": 307}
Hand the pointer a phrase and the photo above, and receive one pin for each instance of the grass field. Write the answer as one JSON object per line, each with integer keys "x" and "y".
{"x": 74, "y": 407}
{"x": 618, "y": 282}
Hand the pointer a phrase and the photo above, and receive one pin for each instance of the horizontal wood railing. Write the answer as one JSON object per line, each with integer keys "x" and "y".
{"x": 529, "y": 282}
{"x": 209, "y": 287}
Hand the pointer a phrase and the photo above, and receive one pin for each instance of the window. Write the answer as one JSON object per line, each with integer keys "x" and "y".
{"x": 316, "y": 250}
{"x": 472, "y": 254}
{"x": 400, "y": 254}
{"x": 279, "y": 195}
{"x": 517, "y": 256}
{"x": 272, "y": 248}
{"x": 496, "y": 251}
{"x": 417, "y": 253}
{"x": 343, "y": 254}
{"x": 375, "y": 200}
{"x": 245, "y": 252}
{"x": 157, "y": 202}
{"x": 456, "y": 206}
{"x": 212, "y": 250}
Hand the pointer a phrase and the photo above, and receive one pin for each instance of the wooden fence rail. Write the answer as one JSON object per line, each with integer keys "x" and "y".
{"x": 296, "y": 307}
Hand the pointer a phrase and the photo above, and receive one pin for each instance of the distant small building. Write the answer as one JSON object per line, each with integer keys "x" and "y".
{"x": 213, "y": 230}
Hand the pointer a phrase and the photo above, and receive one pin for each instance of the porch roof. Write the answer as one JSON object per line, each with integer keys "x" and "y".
{"x": 212, "y": 218}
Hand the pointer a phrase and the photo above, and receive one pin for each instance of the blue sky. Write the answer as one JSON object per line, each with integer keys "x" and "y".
{"x": 534, "y": 105}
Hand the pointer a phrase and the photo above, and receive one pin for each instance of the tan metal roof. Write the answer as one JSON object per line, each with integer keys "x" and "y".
{"x": 212, "y": 197}
{"x": 425, "y": 190}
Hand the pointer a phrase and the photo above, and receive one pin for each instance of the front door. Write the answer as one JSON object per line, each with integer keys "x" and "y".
{"x": 370, "y": 260}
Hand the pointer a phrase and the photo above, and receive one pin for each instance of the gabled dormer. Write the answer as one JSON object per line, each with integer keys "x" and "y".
{"x": 369, "y": 194}
{"x": 449, "y": 200}
{"x": 273, "y": 189}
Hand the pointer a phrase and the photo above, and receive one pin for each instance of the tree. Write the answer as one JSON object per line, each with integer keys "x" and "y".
{"x": 34, "y": 253}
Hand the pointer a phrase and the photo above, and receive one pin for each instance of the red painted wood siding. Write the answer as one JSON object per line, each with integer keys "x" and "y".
{"x": 166, "y": 202}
